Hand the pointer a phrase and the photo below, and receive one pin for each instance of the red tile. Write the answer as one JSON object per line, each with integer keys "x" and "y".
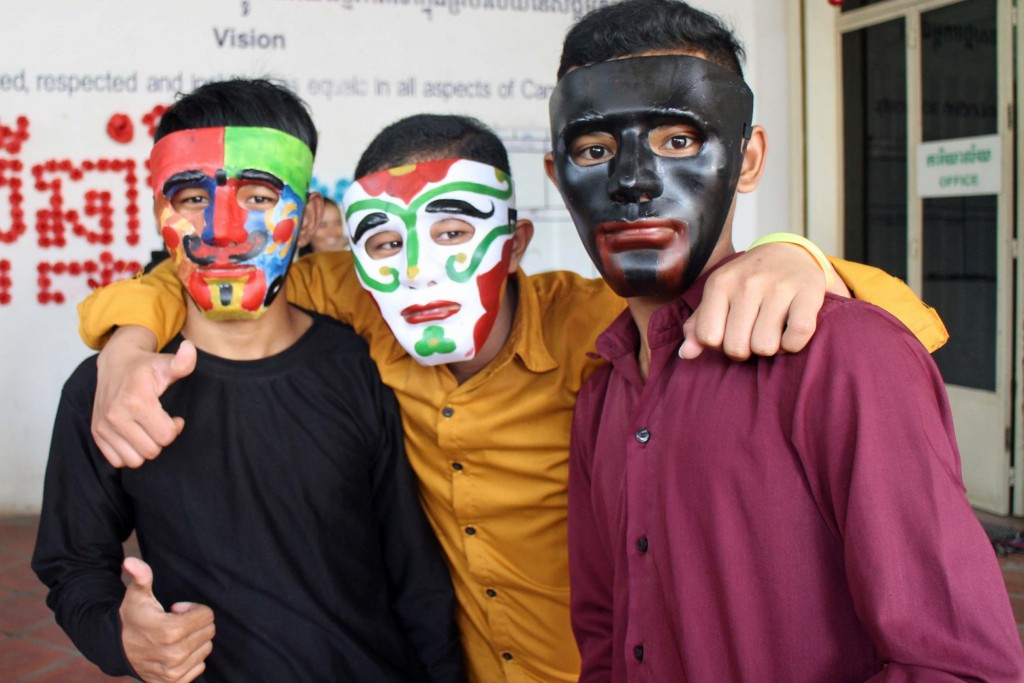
{"x": 1013, "y": 573}
{"x": 1014, "y": 584}
{"x": 22, "y": 546}
{"x": 22, "y": 613}
{"x": 11, "y": 559}
{"x": 1011, "y": 563}
{"x": 1018, "y": 609}
{"x": 18, "y": 536}
{"x": 19, "y": 577}
{"x": 19, "y": 658}
{"x": 79, "y": 670}
{"x": 50, "y": 634}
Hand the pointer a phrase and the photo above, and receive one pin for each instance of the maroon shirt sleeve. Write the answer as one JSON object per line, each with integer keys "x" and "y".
{"x": 876, "y": 435}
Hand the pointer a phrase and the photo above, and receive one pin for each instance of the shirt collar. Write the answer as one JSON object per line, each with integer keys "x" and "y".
{"x": 666, "y": 327}
{"x": 527, "y": 336}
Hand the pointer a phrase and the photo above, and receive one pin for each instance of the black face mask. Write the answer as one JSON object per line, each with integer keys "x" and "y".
{"x": 650, "y": 220}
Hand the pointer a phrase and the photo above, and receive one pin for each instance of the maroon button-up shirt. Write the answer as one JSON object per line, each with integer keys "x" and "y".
{"x": 792, "y": 519}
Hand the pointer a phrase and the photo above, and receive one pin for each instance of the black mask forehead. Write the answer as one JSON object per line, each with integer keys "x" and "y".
{"x": 707, "y": 95}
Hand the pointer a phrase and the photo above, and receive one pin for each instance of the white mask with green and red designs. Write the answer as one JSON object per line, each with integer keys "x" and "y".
{"x": 432, "y": 244}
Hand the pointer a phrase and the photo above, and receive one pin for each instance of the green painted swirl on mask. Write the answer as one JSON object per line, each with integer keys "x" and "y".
{"x": 374, "y": 203}
{"x": 478, "y": 255}
{"x": 408, "y": 217}
{"x": 385, "y": 287}
{"x": 385, "y": 207}
{"x": 462, "y": 185}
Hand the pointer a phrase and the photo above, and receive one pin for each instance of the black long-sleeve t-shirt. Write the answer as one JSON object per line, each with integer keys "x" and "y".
{"x": 286, "y": 505}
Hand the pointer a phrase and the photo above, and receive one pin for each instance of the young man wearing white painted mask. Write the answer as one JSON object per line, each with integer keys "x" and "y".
{"x": 433, "y": 244}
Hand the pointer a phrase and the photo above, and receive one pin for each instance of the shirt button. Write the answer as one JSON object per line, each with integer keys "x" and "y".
{"x": 448, "y": 411}
{"x": 643, "y": 436}
{"x": 457, "y": 466}
{"x": 638, "y": 652}
{"x": 491, "y": 593}
{"x": 470, "y": 530}
{"x": 641, "y": 544}
{"x": 507, "y": 656}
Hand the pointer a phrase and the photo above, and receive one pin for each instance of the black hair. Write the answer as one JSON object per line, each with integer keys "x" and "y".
{"x": 429, "y": 137}
{"x": 636, "y": 26}
{"x": 254, "y": 102}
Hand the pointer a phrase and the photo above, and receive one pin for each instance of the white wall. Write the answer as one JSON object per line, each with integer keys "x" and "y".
{"x": 767, "y": 33}
{"x": 366, "y": 51}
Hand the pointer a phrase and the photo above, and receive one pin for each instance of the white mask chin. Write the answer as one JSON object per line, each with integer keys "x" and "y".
{"x": 432, "y": 245}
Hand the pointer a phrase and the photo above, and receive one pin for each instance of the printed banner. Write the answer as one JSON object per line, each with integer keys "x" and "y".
{"x": 83, "y": 84}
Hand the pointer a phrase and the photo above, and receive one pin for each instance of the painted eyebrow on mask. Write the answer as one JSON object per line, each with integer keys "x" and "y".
{"x": 457, "y": 206}
{"x": 183, "y": 178}
{"x": 262, "y": 177}
{"x": 369, "y": 223}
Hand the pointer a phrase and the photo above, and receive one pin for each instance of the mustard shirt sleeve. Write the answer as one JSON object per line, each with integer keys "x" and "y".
{"x": 154, "y": 301}
{"x": 877, "y": 287}
{"x": 325, "y": 283}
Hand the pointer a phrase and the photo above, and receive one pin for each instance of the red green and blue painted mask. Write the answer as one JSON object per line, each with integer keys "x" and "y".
{"x": 432, "y": 245}
{"x": 229, "y": 202}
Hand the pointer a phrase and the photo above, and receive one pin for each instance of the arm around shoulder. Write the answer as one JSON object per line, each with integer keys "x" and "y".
{"x": 327, "y": 283}
{"x": 155, "y": 301}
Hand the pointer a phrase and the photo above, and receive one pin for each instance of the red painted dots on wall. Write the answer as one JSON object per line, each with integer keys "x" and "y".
{"x": 93, "y": 200}
{"x": 52, "y": 223}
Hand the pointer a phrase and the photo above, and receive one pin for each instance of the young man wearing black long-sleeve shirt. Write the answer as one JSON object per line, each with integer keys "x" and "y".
{"x": 286, "y": 519}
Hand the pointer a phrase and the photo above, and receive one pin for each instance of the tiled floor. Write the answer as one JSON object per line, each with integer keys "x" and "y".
{"x": 32, "y": 646}
{"x": 34, "y": 649}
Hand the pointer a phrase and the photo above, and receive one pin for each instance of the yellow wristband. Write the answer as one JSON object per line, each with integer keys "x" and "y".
{"x": 801, "y": 241}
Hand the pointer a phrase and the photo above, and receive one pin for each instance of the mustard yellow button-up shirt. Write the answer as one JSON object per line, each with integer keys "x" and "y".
{"x": 491, "y": 454}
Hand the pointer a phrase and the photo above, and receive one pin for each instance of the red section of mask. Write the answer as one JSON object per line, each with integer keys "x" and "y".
{"x": 255, "y": 291}
{"x": 198, "y": 149}
{"x": 409, "y": 182}
{"x": 284, "y": 230}
{"x": 171, "y": 238}
{"x": 490, "y": 284}
{"x": 229, "y": 218}
{"x": 200, "y": 291}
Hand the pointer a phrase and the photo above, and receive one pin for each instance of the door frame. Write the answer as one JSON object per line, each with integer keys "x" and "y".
{"x": 818, "y": 105}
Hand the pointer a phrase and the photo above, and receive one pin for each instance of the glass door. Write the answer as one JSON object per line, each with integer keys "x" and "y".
{"x": 927, "y": 176}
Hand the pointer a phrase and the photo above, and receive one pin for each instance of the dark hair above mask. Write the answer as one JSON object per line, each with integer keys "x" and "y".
{"x": 429, "y": 137}
{"x": 255, "y": 102}
{"x": 634, "y": 27}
